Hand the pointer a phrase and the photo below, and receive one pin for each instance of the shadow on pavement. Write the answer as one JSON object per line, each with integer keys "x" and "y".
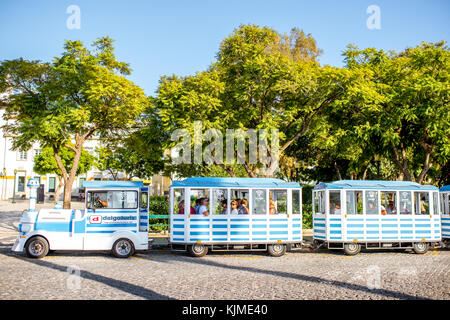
{"x": 313, "y": 279}
{"x": 117, "y": 284}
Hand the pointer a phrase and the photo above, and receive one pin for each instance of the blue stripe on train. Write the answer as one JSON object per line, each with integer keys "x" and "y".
{"x": 199, "y": 233}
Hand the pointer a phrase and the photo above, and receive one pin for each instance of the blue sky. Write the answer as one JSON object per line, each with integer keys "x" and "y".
{"x": 181, "y": 37}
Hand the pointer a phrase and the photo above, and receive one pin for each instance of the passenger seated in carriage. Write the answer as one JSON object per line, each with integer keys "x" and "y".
{"x": 203, "y": 208}
{"x": 391, "y": 208}
{"x": 223, "y": 207}
{"x": 272, "y": 207}
{"x": 243, "y": 208}
{"x": 197, "y": 205}
{"x": 181, "y": 208}
{"x": 234, "y": 207}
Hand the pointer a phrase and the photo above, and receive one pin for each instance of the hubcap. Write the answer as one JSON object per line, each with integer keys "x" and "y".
{"x": 420, "y": 246}
{"x": 123, "y": 247}
{"x": 353, "y": 247}
{"x": 198, "y": 248}
{"x": 36, "y": 248}
{"x": 277, "y": 248}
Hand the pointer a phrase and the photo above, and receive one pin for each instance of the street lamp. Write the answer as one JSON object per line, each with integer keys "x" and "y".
{"x": 14, "y": 190}
{"x": 4, "y": 183}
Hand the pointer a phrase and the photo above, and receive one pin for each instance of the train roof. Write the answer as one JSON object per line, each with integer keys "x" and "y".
{"x": 216, "y": 182}
{"x": 95, "y": 184}
{"x": 445, "y": 188}
{"x": 373, "y": 184}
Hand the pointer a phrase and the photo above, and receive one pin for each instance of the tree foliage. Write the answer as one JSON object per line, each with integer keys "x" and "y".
{"x": 63, "y": 103}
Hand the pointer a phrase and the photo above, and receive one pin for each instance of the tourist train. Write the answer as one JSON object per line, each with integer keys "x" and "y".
{"x": 255, "y": 214}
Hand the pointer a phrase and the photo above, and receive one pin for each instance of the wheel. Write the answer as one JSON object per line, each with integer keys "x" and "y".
{"x": 123, "y": 248}
{"x": 276, "y": 250}
{"x": 37, "y": 247}
{"x": 197, "y": 250}
{"x": 420, "y": 247}
{"x": 351, "y": 249}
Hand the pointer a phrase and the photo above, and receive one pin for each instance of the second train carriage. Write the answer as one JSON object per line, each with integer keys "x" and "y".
{"x": 351, "y": 214}
{"x": 238, "y": 214}
{"x": 445, "y": 214}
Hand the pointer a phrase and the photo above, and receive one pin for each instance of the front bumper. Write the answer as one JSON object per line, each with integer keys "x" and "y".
{"x": 18, "y": 245}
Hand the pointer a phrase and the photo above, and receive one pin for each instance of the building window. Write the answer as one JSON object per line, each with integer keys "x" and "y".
{"x": 51, "y": 184}
{"x": 21, "y": 155}
{"x": 37, "y": 152}
{"x": 21, "y": 184}
{"x": 80, "y": 187}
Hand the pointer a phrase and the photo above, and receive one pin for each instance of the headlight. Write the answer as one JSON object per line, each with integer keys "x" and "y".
{"x": 26, "y": 228}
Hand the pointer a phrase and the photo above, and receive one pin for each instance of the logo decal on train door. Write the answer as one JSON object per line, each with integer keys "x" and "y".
{"x": 95, "y": 219}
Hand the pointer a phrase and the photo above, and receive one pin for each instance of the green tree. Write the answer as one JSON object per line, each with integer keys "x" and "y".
{"x": 65, "y": 102}
{"x": 139, "y": 154}
{"x": 261, "y": 80}
{"x": 45, "y": 163}
{"x": 403, "y": 112}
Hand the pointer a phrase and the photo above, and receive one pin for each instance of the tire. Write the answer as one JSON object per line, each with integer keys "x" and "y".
{"x": 352, "y": 249}
{"x": 197, "y": 250}
{"x": 420, "y": 247}
{"x": 276, "y": 250}
{"x": 37, "y": 247}
{"x": 123, "y": 248}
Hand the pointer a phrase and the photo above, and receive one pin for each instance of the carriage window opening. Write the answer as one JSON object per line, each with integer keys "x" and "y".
{"x": 219, "y": 201}
{"x": 178, "y": 201}
{"x": 319, "y": 202}
{"x": 335, "y": 202}
{"x": 259, "y": 201}
{"x": 388, "y": 202}
{"x": 442, "y": 203}
{"x": 200, "y": 201}
{"x": 112, "y": 199}
{"x": 354, "y": 202}
{"x": 371, "y": 202}
{"x": 239, "y": 201}
{"x": 421, "y": 203}
{"x": 144, "y": 200}
{"x": 435, "y": 203}
{"x": 278, "y": 202}
{"x": 296, "y": 202}
{"x": 405, "y": 202}
{"x": 445, "y": 203}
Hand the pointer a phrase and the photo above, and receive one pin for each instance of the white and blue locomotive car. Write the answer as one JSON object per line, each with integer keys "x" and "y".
{"x": 351, "y": 214}
{"x": 115, "y": 218}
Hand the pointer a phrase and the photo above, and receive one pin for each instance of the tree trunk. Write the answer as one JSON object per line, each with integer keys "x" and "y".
{"x": 338, "y": 171}
{"x": 427, "y": 165}
{"x": 58, "y": 189}
{"x": 401, "y": 162}
{"x": 71, "y": 179}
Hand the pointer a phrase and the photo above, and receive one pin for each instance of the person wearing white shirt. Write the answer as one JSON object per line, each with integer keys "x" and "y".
{"x": 203, "y": 209}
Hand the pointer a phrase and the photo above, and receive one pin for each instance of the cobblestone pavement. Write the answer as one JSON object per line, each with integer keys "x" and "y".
{"x": 161, "y": 274}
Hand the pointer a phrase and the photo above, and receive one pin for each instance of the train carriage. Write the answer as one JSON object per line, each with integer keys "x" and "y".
{"x": 445, "y": 214}
{"x": 238, "y": 214}
{"x": 351, "y": 214}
